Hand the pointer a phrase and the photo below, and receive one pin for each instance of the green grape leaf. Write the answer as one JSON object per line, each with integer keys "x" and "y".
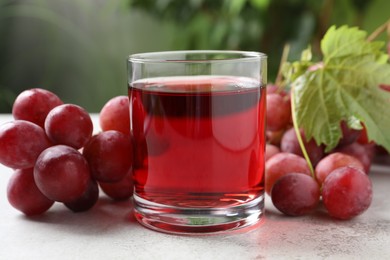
{"x": 345, "y": 42}
{"x": 345, "y": 88}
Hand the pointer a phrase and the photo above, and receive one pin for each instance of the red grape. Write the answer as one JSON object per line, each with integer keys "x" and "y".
{"x": 295, "y": 194}
{"x": 115, "y": 115}
{"x": 385, "y": 87}
{"x": 271, "y": 150}
{"x": 380, "y": 150}
{"x": 274, "y": 137}
{"x": 24, "y": 195}
{"x": 34, "y": 104}
{"x": 370, "y": 149}
{"x": 273, "y": 89}
{"x": 281, "y": 164}
{"x": 87, "y": 200}
{"x": 21, "y": 142}
{"x": 346, "y": 193}
{"x": 61, "y": 173}
{"x": 110, "y": 155}
{"x": 363, "y": 136}
{"x": 349, "y": 135}
{"x": 70, "y": 125}
{"x": 360, "y": 152}
{"x": 278, "y": 112}
{"x": 120, "y": 190}
{"x": 290, "y": 144}
{"x": 334, "y": 161}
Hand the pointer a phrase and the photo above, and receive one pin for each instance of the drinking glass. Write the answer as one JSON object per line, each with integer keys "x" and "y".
{"x": 197, "y": 120}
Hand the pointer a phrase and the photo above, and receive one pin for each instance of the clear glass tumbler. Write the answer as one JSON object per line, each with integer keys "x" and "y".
{"x": 198, "y": 127}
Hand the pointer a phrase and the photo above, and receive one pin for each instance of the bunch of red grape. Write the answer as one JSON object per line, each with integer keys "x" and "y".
{"x": 339, "y": 178}
{"x": 56, "y": 157}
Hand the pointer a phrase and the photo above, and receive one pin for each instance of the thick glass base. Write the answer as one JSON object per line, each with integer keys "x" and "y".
{"x": 197, "y": 221}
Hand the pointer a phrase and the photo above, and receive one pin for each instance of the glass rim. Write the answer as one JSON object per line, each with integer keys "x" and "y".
{"x": 160, "y": 56}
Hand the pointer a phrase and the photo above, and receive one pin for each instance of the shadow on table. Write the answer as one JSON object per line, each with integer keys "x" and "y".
{"x": 107, "y": 216}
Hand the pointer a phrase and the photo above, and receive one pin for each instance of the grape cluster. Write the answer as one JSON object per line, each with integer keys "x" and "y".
{"x": 339, "y": 178}
{"x": 56, "y": 158}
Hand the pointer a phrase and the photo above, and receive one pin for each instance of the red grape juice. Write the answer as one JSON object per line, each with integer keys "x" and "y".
{"x": 199, "y": 141}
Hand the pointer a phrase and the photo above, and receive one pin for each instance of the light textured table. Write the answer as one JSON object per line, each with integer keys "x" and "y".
{"x": 109, "y": 231}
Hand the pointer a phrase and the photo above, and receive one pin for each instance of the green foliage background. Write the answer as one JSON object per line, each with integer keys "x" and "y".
{"x": 78, "y": 49}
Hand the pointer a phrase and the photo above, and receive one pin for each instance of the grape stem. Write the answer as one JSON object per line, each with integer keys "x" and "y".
{"x": 298, "y": 133}
{"x": 378, "y": 31}
{"x": 279, "y": 76}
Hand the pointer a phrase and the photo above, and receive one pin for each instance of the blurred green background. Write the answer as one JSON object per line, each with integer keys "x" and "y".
{"x": 78, "y": 48}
